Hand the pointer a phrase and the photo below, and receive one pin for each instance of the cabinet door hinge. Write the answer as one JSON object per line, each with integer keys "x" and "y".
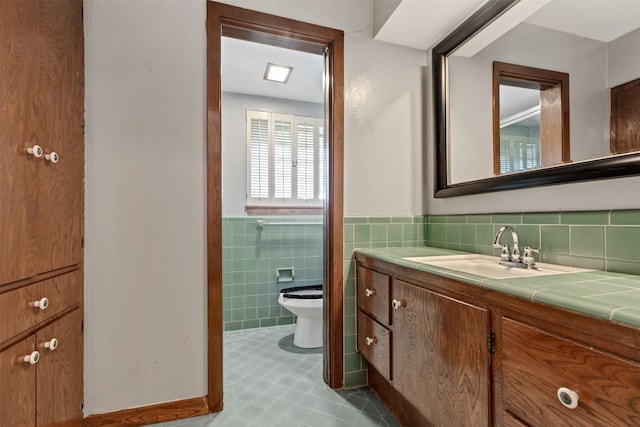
{"x": 491, "y": 341}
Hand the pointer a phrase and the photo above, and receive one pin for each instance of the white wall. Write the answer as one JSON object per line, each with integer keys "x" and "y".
{"x": 234, "y": 141}
{"x": 145, "y": 259}
{"x": 145, "y": 203}
{"x": 623, "y": 67}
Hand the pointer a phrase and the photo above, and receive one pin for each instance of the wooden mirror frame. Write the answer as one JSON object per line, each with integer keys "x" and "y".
{"x": 610, "y": 167}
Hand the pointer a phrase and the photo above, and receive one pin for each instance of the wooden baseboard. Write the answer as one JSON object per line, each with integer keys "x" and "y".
{"x": 159, "y": 413}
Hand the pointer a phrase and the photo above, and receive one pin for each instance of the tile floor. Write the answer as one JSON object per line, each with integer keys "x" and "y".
{"x": 270, "y": 382}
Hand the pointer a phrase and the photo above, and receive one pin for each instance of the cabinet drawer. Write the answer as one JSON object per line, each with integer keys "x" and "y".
{"x": 374, "y": 342}
{"x": 373, "y": 294}
{"x": 536, "y": 364}
{"x": 17, "y": 306}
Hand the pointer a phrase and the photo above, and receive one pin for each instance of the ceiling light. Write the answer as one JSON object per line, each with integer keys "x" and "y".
{"x": 277, "y": 73}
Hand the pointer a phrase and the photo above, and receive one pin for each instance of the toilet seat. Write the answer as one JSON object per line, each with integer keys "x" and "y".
{"x": 303, "y": 292}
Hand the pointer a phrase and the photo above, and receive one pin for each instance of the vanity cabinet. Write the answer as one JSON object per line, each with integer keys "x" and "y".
{"x": 551, "y": 380}
{"x": 452, "y": 353}
{"x": 41, "y": 212}
{"x": 431, "y": 349}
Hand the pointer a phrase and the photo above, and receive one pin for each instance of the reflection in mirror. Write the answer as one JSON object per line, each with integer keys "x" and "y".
{"x": 530, "y": 118}
{"x": 625, "y": 118}
{"x": 599, "y": 49}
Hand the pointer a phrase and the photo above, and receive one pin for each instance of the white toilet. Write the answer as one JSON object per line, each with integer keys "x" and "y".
{"x": 306, "y": 303}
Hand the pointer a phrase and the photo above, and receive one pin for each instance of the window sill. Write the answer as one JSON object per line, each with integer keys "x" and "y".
{"x": 284, "y": 210}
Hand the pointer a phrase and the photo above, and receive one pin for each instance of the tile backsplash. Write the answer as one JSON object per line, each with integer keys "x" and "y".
{"x": 250, "y": 257}
{"x": 603, "y": 240}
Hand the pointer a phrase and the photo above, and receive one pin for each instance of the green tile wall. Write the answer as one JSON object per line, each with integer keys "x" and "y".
{"x": 369, "y": 232}
{"x": 603, "y": 240}
{"x": 250, "y": 257}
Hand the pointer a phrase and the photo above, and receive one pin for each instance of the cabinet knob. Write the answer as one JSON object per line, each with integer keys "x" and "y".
{"x": 52, "y": 157}
{"x": 568, "y": 397}
{"x": 52, "y": 344}
{"x": 42, "y": 303}
{"x": 396, "y": 304}
{"x": 370, "y": 340}
{"x": 36, "y": 151}
{"x": 369, "y": 292}
{"x": 32, "y": 358}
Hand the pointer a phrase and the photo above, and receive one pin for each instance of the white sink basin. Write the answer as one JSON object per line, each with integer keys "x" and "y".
{"x": 489, "y": 266}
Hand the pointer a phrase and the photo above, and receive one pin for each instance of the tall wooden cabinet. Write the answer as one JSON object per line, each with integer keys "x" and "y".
{"x": 41, "y": 212}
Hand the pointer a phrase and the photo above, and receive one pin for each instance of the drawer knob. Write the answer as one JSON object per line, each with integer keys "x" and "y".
{"x": 52, "y": 157}
{"x": 370, "y": 340}
{"x": 568, "y": 397}
{"x": 369, "y": 292}
{"x": 36, "y": 151}
{"x": 52, "y": 344}
{"x": 32, "y": 358}
{"x": 42, "y": 303}
{"x": 396, "y": 304}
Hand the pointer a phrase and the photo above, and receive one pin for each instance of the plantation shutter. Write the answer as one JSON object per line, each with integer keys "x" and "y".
{"x": 306, "y": 155}
{"x": 321, "y": 154}
{"x": 258, "y": 131}
{"x": 282, "y": 157}
{"x": 286, "y": 159}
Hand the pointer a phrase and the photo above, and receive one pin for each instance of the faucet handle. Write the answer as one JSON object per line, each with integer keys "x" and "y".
{"x": 527, "y": 256}
{"x": 505, "y": 254}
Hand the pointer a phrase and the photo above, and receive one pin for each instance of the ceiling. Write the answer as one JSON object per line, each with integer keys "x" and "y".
{"x": 418, "y": 24}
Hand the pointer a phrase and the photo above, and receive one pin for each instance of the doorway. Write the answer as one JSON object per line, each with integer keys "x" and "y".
{"x": 243, "y": 24}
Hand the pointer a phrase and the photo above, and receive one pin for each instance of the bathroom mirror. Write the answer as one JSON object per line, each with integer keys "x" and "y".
{"x": 597, "y": 57}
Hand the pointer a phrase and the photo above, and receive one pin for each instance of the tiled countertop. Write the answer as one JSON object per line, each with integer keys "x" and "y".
{"x": 608, "y": 295}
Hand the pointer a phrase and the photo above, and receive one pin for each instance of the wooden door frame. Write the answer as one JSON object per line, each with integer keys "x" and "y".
{"x": 260, "y": 27}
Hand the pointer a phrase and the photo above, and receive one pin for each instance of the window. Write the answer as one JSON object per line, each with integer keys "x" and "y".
{"x": 285, "y": 160}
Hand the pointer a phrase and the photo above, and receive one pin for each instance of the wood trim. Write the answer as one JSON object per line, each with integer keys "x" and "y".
{"x": 554, "y": 113}
{"x": 214, "y": 210}
{"x": 333, "y": 352}
{"x": 229, "y": 20}
{"x": 144, "y": 415}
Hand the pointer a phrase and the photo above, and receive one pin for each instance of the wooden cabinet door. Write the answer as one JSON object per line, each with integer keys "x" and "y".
{"x": 18, "y": 170}
{"x": 41, "y": 103}
{"x": 59, "y": 94}
{"x": 17, "y": 385}
{"x": 59, "y": 384}
{"x": 440, "y": 356}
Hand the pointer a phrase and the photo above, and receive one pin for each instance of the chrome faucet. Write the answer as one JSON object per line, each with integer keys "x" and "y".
{"x": 512, "y": 257}
{"x": 506, "y": 255}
